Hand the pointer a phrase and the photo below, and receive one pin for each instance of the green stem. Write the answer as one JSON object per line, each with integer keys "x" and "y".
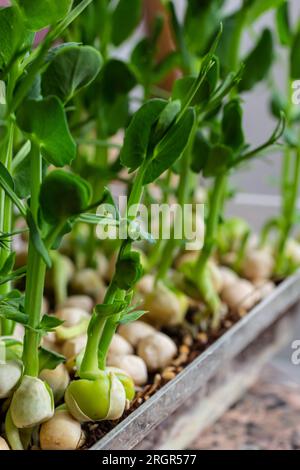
{"x": 289, "y": 211}
{"x": 90, "y": 364}
{"x": 289, "y": 191}
{"x": 108, "y": 333}
{"x": 185, "y": 186}
{"x": 12, "y": 433}
{"x": 7, "y": 326}
{"x": 200, "y": 273}
{"x": 101, "y": 330}
{"x": 36, "y": 270}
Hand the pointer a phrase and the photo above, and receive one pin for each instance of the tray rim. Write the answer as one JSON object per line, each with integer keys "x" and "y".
{"x": 229, "y": 345}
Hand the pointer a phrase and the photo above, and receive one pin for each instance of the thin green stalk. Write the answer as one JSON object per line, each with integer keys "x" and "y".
{"x": 36, "y": 58}
{"x": 36, "y": 270}
{"x": 108, "y": 333}
{"x": 90, "y": 364}
{"x": 185, "y": 186}
{"x": 7, "y": 326}
{"x": 289, "y": 191}
{"x": 156, "y": 252}
{"x": 101, "y": 330}
{"x": 200, "y": 273}
{"x": 289, "y": 213}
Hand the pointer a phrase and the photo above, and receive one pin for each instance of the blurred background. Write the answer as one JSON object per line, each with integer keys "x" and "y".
{"x": 257, "y": 185}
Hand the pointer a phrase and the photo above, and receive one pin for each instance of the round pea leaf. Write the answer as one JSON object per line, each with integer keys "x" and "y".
{"x": 41, "y": 13}
{"x": 125, "y": 19}
{"x": 115, "y": 79}
{"x": 171, "y": 147}
{"x": 45, "y": 122}
{"x": 10, "y": 22}
{"x": 71, "y": 69}
{"x": 138, "y": 133}
{"x": 63, "y": 195}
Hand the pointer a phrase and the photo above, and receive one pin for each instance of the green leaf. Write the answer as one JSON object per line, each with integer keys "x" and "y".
{"x": 115, "y": 79}
{"x": 14, "y": 276}
{"x": 22, "y": 178}
{"x": 49, "y": 323}
{"x": 41, "y": 13}
{"x": 9, "y": 264}
{"x": 63, "y": 195}
{"x": 258, "y": 8}
{"x": 125, "y": 19}
{"x": 72, "y": 68}
{"x": 45, "y": 122}
{"x": 202, "y": 18}
{"x": 232, "y": 125}
{"x": 36, "y": 238}
{"x": 278, "y": 104}
{"x": 107, "y": 310}
{"x": 258, "y": 62}
{"x": 200, "y": 153}
{"x": 295, "y": 58}
{"x": 218, "y": 161}
{"x": 11, "y": 312}
{"x": 131, "y": 317}
{"x": 171, "y": 147}
{"x": 49, "y": 359}
{"x": 142, "y": 61}
{"x": 166, "y": 118}
{"x": 138, "y": 133}
{"x": 129, "y": 270}
{"x": 284, "y": 28}
{"x": 12, "y": 34}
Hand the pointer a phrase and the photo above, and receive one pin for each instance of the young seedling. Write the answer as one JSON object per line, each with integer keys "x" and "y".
{"x": 149, "y": 139}
{"x": 225, "y": 152}
{"x": 42, "y": 121}
{"x": 290, "y": 178}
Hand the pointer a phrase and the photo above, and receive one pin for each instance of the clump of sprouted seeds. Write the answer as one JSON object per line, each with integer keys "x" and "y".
{"x": 86, "y": 323}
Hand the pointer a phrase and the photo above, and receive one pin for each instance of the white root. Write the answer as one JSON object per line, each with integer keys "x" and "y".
{"x": 3, "y": 444}
{"x": 135, "y": 332}
{"x": 119, "y": 346}
{"x": 72, "y": 316}
{"x": 258, "y": 264}
{"x": 240, "y": 296}
{"x": 157, "y": 350}
{"x": 58, "y": 379}
{"x": 61, "y": 432}
{"x": 146, "y": 284}
{"x": 264, "y": 288}
{"x": 10, "y": 374}
{"x": 228, "y": 277}
{"x": 32, "y": 403}
{"x": 293, "y": 251}
{"x": 133, "y": 365}
{"x": 88, "y": 282}
{"x": 73, "y": 347}
{"x": 82, "y": 302}
{"x": 164, "y": 306}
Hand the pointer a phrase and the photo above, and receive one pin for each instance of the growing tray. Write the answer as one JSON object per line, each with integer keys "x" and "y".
{"x": 194, "y": 382}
